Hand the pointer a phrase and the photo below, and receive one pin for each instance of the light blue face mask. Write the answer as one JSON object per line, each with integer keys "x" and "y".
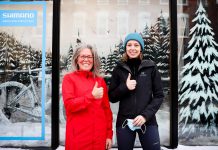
{"x": 131, "y": 126}
{"x": 129, "y": 122}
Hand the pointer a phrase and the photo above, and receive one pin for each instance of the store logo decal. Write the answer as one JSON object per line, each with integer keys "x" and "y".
{"x": 18, "y": 17}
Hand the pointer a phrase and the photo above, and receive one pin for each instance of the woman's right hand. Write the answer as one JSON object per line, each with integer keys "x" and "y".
{"x": 131, "y": 84}
{"x": 97, "y": 92}
{"x": 108, "y": 144}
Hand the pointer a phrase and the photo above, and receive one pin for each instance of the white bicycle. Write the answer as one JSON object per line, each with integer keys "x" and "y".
{"x": 19, "y": 102}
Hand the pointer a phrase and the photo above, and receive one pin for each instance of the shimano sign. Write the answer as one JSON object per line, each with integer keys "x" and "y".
{"x": 18, "y": 17}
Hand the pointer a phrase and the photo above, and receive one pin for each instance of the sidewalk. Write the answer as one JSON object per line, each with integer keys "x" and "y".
{"x": 180, "y": 147}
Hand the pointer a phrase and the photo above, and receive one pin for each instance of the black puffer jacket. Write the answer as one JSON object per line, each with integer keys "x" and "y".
{"x": 145, "y": 100}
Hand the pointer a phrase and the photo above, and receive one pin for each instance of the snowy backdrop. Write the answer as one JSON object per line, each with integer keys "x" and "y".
{"x": 156, "y": 40}
{"x": 198, "y": 85}
{"x": 23, "y": 122}
{"x": 20, "y": 93}
{"x": 198, "y": 92}
{"x": 20, "y": 79}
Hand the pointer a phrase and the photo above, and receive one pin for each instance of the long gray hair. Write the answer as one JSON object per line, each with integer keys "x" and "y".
{"x": 96, "y": 61}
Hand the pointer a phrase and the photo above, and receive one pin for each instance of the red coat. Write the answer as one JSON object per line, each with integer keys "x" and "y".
{"x": 89, "y": 120}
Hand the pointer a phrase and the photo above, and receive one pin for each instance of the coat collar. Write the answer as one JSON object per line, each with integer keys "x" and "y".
{"x": 87, "y": 74}
{"x": 144, "y": 64}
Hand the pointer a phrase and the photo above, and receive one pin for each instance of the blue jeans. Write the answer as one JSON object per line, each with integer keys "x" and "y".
{"x": 150, "y": 140}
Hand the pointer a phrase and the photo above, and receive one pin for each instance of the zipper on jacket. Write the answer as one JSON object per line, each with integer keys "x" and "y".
{"x": 134, "y": 73}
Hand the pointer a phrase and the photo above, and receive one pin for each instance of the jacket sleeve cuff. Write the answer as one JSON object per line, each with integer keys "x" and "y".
{"x": 145, "y": 116}
{"x": 110, "y": 134}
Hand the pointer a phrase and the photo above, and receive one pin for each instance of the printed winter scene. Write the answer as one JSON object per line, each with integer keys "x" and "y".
{"x": 21, "y": 57}
{"x": 198, "y": 92}
{"x": 156, "y": 38}
{"x": 24, "y": 119}
{"x": 20, "y": 89}
{"x": 105, "y": 24}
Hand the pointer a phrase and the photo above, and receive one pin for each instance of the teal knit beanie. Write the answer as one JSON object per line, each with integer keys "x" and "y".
{"x": 134, "y": 36}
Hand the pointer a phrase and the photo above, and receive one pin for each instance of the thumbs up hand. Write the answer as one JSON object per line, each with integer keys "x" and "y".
{"x": 97, "y": 92}
{"x": 131, "y": 84}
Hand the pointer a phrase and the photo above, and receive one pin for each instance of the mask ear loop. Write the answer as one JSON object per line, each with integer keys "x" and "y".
{"x": 124, "y": 124}
{"x": 143, "y": 128}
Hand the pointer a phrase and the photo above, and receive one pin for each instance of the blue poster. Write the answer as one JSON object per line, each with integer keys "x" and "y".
{"x": 25, "y": 75}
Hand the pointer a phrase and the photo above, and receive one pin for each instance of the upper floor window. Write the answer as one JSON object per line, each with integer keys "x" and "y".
{"x": 204, "y": 2}
{"x": 144, "y": 19}
{"x": 102, "y": 23}
{"x": 79, "y": 1}
{"x": 183, "y": 25}
{"x": 79, "y": 19}
{"x": 164, "y": 1}
{"x": 122, "y": 2}
{"x": 182, "y": 2}
{"x": 122, "y": 23}
{"x": 103, "y": 2}
{"x": 144, "y": 2}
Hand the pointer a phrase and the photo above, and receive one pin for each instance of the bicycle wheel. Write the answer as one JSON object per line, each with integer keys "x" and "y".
{"x": 17, "y": 102}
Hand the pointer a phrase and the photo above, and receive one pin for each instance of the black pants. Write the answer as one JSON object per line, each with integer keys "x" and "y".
{"x": 150, "y": 140}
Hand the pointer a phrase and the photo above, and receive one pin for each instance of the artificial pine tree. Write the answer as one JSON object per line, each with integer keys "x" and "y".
{"x": 115, "y": 57}
{"x": 25, "y": 57}
{"x": 198, "y": 94}
{"x": 154, "y": 45}
{"x": 38, "y": 58}
{"x": 69, "y": 58}
{"x": 2, "y": 50}
{"x": 121, "y": 48}
{"x": 163, "y": 44}
{"x": 48, "y": 61}
{"x": 7, "y": 60}
{"x": 147, "y": 40}
{"x": 166, "y": 46}
{"x": 103, "y": 65}
{"x": 109, "y": 64}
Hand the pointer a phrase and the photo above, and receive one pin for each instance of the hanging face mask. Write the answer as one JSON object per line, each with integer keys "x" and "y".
{"x": 129, "y": 122}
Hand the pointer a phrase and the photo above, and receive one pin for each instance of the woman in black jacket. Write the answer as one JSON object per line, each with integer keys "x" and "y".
{"x": 136, "y": 85}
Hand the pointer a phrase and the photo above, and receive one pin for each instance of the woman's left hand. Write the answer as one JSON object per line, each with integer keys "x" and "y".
{"x": 139, "y": 120}
{"x": 108, "y": 144}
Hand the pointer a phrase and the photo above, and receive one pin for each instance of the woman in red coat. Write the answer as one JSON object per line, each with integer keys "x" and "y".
{"x": 89, "y": 117}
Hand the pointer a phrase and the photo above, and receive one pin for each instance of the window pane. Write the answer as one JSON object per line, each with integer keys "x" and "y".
{"x": 182, "y": 2}
{"x": 102, "y": 23}
{"x": 79, "y": 23}
{"x": 79, "y": 1}
{"x": 164, "y": 1}
{"x": 122, "y": 23}
{"x": 144, "y": 2}
{"x": 122, "y": 2}
{"x": 105, "y": 24}
{"x": 102, "y": 2}
{"x": 197, "y": 53}
{"x": 144, "y": 18}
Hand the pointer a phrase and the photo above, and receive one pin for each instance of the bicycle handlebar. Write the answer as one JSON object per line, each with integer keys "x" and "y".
{"x": 26, "y": 71}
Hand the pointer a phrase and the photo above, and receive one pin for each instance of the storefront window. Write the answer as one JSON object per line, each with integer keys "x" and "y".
{"x": 25, "y": 73}
{"x": 197, "y": 67}
{"x": 105, "y": 24}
